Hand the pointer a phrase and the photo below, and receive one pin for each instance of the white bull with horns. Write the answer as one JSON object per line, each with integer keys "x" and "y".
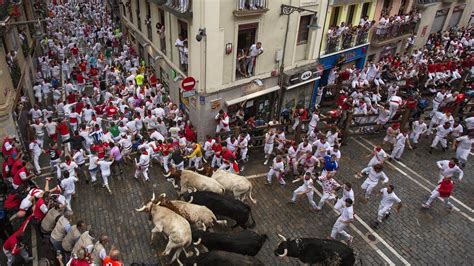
{"x": 240, "y": 186}
{"x": 191, "y": 180}
{"x": 175, "y": 227}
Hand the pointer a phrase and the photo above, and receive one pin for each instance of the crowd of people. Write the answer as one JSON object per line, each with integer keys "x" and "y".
{"x": 99, "y": 109}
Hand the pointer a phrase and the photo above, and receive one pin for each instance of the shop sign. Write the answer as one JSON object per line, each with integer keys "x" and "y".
{"x": 188, "y": 94}
{"x": 303, "y": 76}
{"x": 216, "y": 104}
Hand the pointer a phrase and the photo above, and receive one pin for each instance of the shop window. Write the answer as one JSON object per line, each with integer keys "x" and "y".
{"x": 335, "y": 16}
{"x": 303, "y": 30}
{"x": 350, "y": 14}
{"x": 246, "y": 38}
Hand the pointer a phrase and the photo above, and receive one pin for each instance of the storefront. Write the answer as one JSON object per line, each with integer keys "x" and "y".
{"x": 299, "y": 85}
{"x": 257, "y": 101}
{"x": 356, "y": 56}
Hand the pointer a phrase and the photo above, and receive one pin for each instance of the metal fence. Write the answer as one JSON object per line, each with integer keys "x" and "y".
{"x": 393, "y": 30}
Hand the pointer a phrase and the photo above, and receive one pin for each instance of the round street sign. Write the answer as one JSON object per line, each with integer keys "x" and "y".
{"x": 188, "y": 83}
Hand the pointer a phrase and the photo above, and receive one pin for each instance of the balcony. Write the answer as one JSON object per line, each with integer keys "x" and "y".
{"x": 250, "y": 8}
{"x": 346, "y": 40}
{"x": 426, "y": 3}
{"x": 386, "y": 34}
{"x": 181, "y": 9}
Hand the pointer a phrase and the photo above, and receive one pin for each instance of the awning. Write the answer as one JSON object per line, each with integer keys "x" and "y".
{"x": 252, "y": 95}
{"x": 302, "y": 83}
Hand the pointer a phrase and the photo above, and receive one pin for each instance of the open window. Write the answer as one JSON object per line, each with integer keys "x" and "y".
{"x": 246, "y": 37}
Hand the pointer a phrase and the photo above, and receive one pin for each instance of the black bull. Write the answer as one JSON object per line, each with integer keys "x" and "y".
{"x": 315, "y": 250}
{"x": 224, "y": 206}
{"x": 223, "y": 258}
{"x": 244, "y": 242}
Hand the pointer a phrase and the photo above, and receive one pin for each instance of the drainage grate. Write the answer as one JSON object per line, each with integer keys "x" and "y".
{"x": 371, "y": 237}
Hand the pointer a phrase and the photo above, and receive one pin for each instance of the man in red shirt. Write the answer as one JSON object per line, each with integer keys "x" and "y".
{"x": 217, "y": 149}
{"x": 111, "y": 110}
{"x": 443, "y": 190}
{"x": 21, "y": 176}
{"x": 227, "y": 155}
{"x": 63, "y": 130}
{"x": 100, "y": 148}
{"x": 14, "y": 246}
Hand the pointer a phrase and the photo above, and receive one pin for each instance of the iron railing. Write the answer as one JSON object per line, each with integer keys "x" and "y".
{"x": 393, "y": 30}
{"x": 346, "y": 40}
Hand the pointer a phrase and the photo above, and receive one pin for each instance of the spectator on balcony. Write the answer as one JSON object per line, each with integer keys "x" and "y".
{"x": 241, "y": 62}
{"x": 180, "y": 45}
{"x": 254, "y": 51}
{"x": 160, "y": 29}
{"x": 364, "y": 21}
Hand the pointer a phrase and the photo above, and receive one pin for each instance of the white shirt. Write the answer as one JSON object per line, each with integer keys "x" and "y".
{"x": 401, "y": 140}
{"x": 314, "y": 120}
{"x": 278, "y": 166}
{"x": 445, "y": 170}
{"x": 70, "y": 168}
{"x": 465, "y": 143}
{"x": 68, "y": 185}
{"x": 347, "y": 214}
{"x": 443, "y": 132}
{"x": 374, "y": 177}
{"x": 105, "y": 167}
{"x": 254, "y": 51}
{"x": 35, "y": 148}
{"x": 51, "y": 128}
{"x": 92, "y": 161}
{"x": 388, "y": 199}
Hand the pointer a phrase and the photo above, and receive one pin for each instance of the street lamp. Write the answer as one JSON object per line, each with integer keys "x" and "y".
{"x": 287, "y": 10}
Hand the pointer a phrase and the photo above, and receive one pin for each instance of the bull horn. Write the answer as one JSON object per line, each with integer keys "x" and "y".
{"x": 163, "y": 195}
{"x": 196, "y": 251}
{"x": 197, "y": 242}
{"x": 285, "y": 252}
{"x": 194, "y": 189}
{"x": 141, "y": 209}
{"x": 167, "y": 174}
{"x": 282, "y": 237}
{"x": 190, "y": 199}
{"x": 158, "y": 203}
{"x": 153, "y": 197}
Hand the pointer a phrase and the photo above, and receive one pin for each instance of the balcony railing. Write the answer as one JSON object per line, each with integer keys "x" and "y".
{"x": 179, "y": 7}
{"x": 393, "y": 31}
{"x": 245, "y": 8}
{"x": 346, "y": 40}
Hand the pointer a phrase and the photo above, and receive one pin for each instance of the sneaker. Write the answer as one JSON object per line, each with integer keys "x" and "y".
{"x": 376, "y": 224}
{"x": 349, "y": 240}
{"x": 449, "y": 207}
{"x": 386, "y": 216}
{"x": 426, "y": 206}
{"x": 265, "y": 163}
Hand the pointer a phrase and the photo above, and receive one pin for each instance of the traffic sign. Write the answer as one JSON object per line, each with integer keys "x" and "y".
{"x": 188, "y": 83}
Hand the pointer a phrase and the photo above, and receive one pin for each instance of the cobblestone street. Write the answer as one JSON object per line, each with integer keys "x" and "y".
{"x": 414, "y": 236}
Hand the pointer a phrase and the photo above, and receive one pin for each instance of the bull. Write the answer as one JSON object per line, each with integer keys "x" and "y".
{"x": 223, "y": 258}
{"x": 199, "y": 216}
{"x": 315, "y": 250}
{"x": 191, "y": 180}
{"x": 244, "y": 242}
{"x": 173, "y": 225}
{"x": 221, "y": 205}
{"x": 238, "y": 185}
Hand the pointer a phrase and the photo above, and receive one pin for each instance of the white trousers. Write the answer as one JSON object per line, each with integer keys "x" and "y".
{"x": 216, "y": 161}
{"x": 11, "y": 257}
{"x": 397, "y": 151}
{"x": 338, "y": 228}
{"x": 437, "y": 140}
{"x": 272, "y": 173}
{"x": 268, "y": 149}
{"x": 36, "y": 162}
{"x": 142, "y": 171}
{"x": 326, "y": 196}
{"x": 434, "y": 195}
{"x": 310, "y": 195}
{"x": 368, "y": 186}
{"x": 383, "y": 210}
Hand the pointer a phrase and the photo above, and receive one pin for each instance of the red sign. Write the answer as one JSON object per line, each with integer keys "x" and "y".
{"x": 188, "y": 83}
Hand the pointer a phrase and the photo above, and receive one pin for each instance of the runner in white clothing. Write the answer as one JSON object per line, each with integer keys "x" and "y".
{"x": 463, "y": 146}
{"x": 347, "y": 193}
{"x": 388, "y": 199}
{"x": 306, "y": 188}
{"x": 346, "y": 218}
{"x": 378, "y": 156}
{"x": 375, "y": 173}
{"x": 449, "y": 168}
{"x": 277, "y": 170}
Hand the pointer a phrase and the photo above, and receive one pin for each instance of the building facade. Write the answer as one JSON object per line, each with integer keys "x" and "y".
{"x": 441, "y": 15}
{"x": 17, "y": 47}
{"x": 221, "y": 60}
{"x": 346, "y": 35}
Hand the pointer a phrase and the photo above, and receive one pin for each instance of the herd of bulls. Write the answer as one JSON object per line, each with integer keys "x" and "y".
{"x": 186, "y": 223}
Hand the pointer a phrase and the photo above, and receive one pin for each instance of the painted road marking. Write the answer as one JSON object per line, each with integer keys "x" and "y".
{"x": 417, "y": 182}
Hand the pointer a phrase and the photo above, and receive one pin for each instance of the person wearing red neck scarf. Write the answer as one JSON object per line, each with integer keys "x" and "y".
{"x": 443, "y": 190}
{"x": 447, "y": 168}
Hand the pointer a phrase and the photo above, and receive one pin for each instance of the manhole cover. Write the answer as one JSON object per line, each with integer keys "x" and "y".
{"x": 371, "y": 237}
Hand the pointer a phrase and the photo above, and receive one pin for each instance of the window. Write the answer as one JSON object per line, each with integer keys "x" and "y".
{"x": 303, "y": 30}
{"x": 183, "y": 46}
{"x": 148, "y": 22}
{"x": 335, "y": 16}
{"x": 183, "y": 28}
{"x": 137, "y": 11}
{"x": 350, "y": 14}
{"x": 246, "y": 38}
{"x": 365, "y": 10}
